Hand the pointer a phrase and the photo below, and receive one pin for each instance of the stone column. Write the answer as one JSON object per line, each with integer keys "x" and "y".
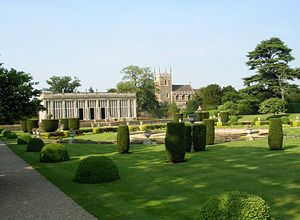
{"x": 97, "y": 110}
{"x": 86, "y": 110}
{"x": 134, "y": 108}
{"x": 128, "y": 108}
{"x": 119, "y": 108}
{"x": 75, "y": 114}
{"x": 63, "y": 107}
{"x": 107, "y": 110}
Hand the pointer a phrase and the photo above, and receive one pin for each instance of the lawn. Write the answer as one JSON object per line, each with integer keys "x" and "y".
{"x": 101, "y": 137}
{"x": 292, "y": 116}
{"x": 149, "y": 188}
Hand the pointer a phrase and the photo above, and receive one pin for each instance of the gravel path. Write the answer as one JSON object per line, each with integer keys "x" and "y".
{"x": 26, "y": 194}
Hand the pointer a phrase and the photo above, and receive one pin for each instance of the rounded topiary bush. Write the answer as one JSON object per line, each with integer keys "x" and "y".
{"x": 11, "y": 135}
{"x": 49, "y": 125}
{"x": 210, "y": 131}
{"x": 175, "y": 142}
{"x": 64, "y": 122}
{"x": 178, "y": 117}
{"x": 74, "y": 123}
{"x": 23, "y": 124}
{"x": 285, "y": 120}
{"x": 24, "y": 139}
{"x": 188, "y": 138}
{"x": 5, "y": 132}
{"x": 32, "y": 124}
{"x": 96, "y": 169}
{"x": 235, "y": 205}
{"x": 35, "y": 145}
{"x": 224, "y": 116}
{"x": 123, "y": 141}
{"x": 54, "y": 153}
{"x": 275, "y": 137}
{"x": 199, "y": 137}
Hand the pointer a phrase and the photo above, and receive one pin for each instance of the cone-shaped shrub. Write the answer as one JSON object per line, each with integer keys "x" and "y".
{"x": 35, "y": 145}
{"x": 49, "y": 125}
{"x": 23, "y": 124}
{"x": 224, "y": 115}
{"x": 123, "y": 141}
{"x": 275, "y": 137}
{"x": 11, "y": 135}
{"x": 31, "y": 124}
{"x": 188, "y": 138}
{"x": 199, "y": 137}
{"x": 24, "y": 139}
{"x": 210, "y": 131}
{"x": 175, "y": 142}
{"x": 74, "y": 123}
{"x": 96, "y": 169}
{"x": 178, "y": 116}
{"x": 235, "y": 205}
{"x": 65, "y": 123}
{"x": 54, "y": 153}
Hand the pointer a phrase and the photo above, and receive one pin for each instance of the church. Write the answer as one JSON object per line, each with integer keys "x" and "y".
{"x": 169, "y": 93}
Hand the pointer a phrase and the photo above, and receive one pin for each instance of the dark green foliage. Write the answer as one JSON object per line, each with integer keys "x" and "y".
{"x": 32, "y": 124}
{"x": 235, "y": 206}
{"x": 24, "y": 139}
{"x": 285, "y": 120}
{"x": 65, "y": 123}
{"x": 5, "y": 132}
{"x": 178, "y": 116}
{"x": 24, "y": 125}
{"x": 188, "y": 137}
{"x": 293, "y": 107}
{"x": 199, "y": 137}
{"x": 74, "y": 123}
{"x": 275, "y": 137}
{"x": 123, "y": 140}
{"x": 63, "y": 84}
{"x": 210, "y": 131}
{"x": 35, "y": 145}
{"x": 54, "y": 153}
{"x": 49, "y": 125}
{"x": 175, "y": 142}
{"x": 11, "y": 135}
{"x": 233, "y": 120}
{"x": 202, "y": 115}
{"x": 224, "y": 115}
{"x": 96, "y": 169}
{"x": 1, "y": 129}
{"x": 213, "y": 113}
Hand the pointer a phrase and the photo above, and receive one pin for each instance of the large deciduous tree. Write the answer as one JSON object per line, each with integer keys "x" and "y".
{"x": 270, "y": 60}
{"x": 18, "y": 97}
{"x": 60, "y": 84}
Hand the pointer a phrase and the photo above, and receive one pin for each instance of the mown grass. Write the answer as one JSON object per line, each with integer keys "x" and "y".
{"x": 149, "y": 188}
{"x": 292, "y": 116}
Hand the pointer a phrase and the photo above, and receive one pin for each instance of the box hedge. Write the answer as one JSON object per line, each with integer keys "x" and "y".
{"x": 188, "y": 138}
{"x": 54, "y": 153}
{"x": 11, "y": 135}
{"x": 74, "y": 123}
{"x": 24, "y": 139}
{"x": 210, "y": 131}
{"x": 275, "y": 137}
{"x": 175, "y": 142}
{"x": 296, "y": 123}
{"x": 224, "y": 116}
{"x": 64, "y": 123}
{"x": 50, "y": 125}
{"x": 178, "y": 116}
{"x": 199, "y": 137}
{"x": 35, "y": 145}
{"x": 123, "y": 140}
{"x": 23, "y": 124}
{"x": 32, "y": 124}
{"x": 5, "y": 132}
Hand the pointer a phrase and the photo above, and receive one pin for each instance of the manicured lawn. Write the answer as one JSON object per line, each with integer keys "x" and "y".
{"x": 151, "y": 189}
{"x": 107, "y": 136}
{"x": 292, "y": 116}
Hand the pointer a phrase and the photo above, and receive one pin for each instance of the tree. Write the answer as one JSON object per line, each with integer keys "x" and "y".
{"x": 112, "y": 90}
{"x": 270, "y": 59}
{"x": 126, "y": 86}
{"x": 18, "y": 97}
{"x": 172, "y": 109}
{"x": 272, "y": 105}
{"x": 193, "y": 104}
{"x": 229, "y": 106}
{"x": 91, "y": 90}
{"x": 229, "y": 94}
{"x": 60, "y": 84}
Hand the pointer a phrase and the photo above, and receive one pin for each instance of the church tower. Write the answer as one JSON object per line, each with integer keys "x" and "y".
{"x": 163, "y": 82}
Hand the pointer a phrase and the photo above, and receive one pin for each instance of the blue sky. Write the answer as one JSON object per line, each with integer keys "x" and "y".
{"x": 204, "y": 41}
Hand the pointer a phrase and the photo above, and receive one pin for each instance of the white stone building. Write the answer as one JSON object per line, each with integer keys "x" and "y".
{"x": 88, "y": 106}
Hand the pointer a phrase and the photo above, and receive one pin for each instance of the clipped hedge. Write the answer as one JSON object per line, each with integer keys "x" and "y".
{"x": 199, "y": 137}
{"x": 123, "y": 140}
{"x": 24, "y": 139}
{"x": 285, "y": 120}
{"x": 5, "y": 132}
{"x": 64, "y": 122}
{"x": 235, "y": 205}
{"x": 54, "y": 153}
{"x": 175, "y": 142}
{"x": 178, "y": 116}
{"x": 32, "y": 124}
{"x": 200, "y": 116}
{"x": 96, "y": 169}
{"x": 233, "y": 120}
{"x": 49, "y": 125}
{"x": 11, "y": 135}
{"x": 23, "y": 124}
{"x": 296, "y": 123}
{"x": 210, "y": 131}
{"x": 275, "y": 137}
{"x": 74, "y": 123}
{"x": 35, "y": 145}
{"x": 224, "y": 116}
{"x": 188, "y": 138}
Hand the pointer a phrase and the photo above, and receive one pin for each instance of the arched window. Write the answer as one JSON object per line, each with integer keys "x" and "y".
{"x": 166, "y": 82}
{"x": 176, "y": 97}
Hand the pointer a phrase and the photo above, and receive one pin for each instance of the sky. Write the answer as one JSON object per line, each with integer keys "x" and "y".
{"x": 204, "y": 42}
